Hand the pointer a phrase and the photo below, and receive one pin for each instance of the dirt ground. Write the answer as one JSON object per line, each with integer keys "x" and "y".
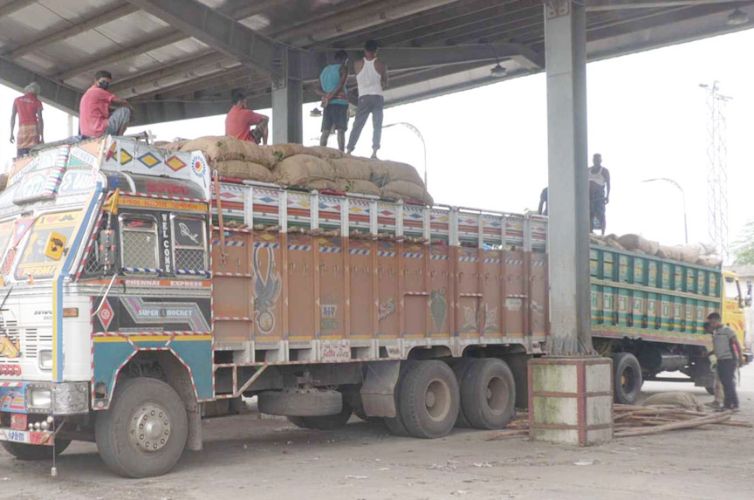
{"x": 252, "y": 458}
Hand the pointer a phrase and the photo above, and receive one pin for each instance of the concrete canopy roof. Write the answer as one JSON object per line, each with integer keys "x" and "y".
{"x": 176, "y": 59}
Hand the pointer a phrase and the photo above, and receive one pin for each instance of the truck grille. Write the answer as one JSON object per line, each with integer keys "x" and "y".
{"x": 31, "y": 341}
{"x": 9, "y": 329}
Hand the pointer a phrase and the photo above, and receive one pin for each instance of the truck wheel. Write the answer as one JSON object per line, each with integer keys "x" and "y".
{"x": 429, "y": 399}
{"x": 628, "y": 379}
{"x": 324, "y": 423}
{"x": 710, "y": 389}
{"x": 460, "y": 368}
{"x": 301, "y": 403}
{"x": 144, "y": 432}
{"x": 488, "y": 394}
{"x": 24, "y": 451}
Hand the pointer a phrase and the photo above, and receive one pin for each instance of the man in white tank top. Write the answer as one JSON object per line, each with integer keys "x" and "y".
{"x": 599, "y": 192}
{"x": 371, "y": 79}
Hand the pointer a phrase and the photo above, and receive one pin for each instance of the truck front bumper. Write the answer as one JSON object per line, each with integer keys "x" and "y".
{"x": 44, "y": 398}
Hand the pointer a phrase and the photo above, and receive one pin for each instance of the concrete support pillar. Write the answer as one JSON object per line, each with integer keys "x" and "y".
{"x": 570, "y": 389}
{"x": 288, "y": 100}
{"x": 565, "y": 60}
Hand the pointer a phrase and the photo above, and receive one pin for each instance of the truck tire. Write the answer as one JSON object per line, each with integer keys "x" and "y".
{"x": 144, "y": 432}
{"x": 324, "y": 423}
{"x": 627, "y": 378}
{"x": 460, "y": 367}
{"x": 488, "y": 394}
{"x": 301, "y": 403}
{"x": 24, "y": 451}
{"x": 429, "y": 399}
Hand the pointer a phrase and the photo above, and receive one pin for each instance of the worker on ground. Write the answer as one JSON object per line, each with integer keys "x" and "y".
{"x": 240, "y": 119}
{"x": 543, "y": 203}
{"x": 717, "y": 387}
{"x": 727, "y": 350}
{"x": 371, "y": 79}
{"x": 28, "y": 107}
{"x": 101, "y": 112}
{"x": 332, "y": 82}
{"x": 599, "y": 193}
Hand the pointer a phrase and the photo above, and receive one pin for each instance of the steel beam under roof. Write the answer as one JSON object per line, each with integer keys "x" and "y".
{"x": 13, "y": 6}
{"x": 217, "y": 30}
{"x": 97, "y": 19}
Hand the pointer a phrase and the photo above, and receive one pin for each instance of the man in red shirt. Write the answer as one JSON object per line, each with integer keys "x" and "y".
{"x": 240, "y": 119}
{"x": 101, "y": 112}
{"x": 30, "y": 123}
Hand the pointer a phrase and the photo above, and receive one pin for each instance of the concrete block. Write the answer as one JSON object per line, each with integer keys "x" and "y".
{"x": 571, "y": 400}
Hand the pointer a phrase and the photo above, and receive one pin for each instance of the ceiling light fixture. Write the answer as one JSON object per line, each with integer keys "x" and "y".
{"x": 737, "y": 18}
{"x": 498, "y": 71}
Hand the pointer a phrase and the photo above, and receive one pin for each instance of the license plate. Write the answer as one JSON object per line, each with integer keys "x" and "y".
{"x": 15, "y": 436}
{"x": 18, "y": 421}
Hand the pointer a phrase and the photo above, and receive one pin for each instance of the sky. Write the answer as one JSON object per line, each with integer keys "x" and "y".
{"x": 487, "y": 147}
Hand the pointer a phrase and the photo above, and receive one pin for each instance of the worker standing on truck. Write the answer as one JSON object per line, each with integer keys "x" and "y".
{"x": 371, "y": 79}
{"x": 543, "y": 202}
{"x": 100, "y": 111}
{"x": 599, "y": 193}
{"x": 728, "y": 352}
{"x": 332, "y": 81}
{"x": 28, "y": 107}
{"x": 240, "y": 119}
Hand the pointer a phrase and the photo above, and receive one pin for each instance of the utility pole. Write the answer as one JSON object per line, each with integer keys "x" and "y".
{"x": 717, "y": 171}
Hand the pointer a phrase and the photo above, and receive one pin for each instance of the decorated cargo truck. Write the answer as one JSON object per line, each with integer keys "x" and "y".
{"x": 139, "y": 294}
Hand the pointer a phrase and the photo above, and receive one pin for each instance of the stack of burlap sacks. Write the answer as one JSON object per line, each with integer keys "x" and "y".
{"x": 308, "y": 168}
{"x": 701, "y": 254}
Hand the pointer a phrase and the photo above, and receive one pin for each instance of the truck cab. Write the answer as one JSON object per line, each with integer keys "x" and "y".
{"x": 88, "y": 230}
{"x": 733, "y": 311}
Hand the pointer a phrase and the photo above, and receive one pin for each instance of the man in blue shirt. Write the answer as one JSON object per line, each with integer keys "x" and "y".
{"x": 332, "y": 81}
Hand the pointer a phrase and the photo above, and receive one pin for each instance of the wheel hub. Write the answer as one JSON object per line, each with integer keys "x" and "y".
{"x": 149, "y": 428}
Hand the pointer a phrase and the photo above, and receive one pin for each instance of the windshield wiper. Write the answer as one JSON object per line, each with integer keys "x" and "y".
{"x": 2, "y": 304}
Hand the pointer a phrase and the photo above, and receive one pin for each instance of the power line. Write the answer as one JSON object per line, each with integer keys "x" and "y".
{"x": 717, "y": 171}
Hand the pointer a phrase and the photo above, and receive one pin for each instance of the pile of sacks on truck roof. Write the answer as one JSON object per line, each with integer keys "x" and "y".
{"x": 701, "y": 254}
{"x": 308, "y": 168}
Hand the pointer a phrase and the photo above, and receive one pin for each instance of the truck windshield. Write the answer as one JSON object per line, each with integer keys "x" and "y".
{"x": 732, "y": 291}
{"x": 38, "y": 256}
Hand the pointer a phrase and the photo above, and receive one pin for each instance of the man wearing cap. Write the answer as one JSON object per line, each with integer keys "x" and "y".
{"x": 28, "y": 107}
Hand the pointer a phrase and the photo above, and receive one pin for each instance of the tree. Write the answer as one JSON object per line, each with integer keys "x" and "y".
{"x": 743, "y": 249}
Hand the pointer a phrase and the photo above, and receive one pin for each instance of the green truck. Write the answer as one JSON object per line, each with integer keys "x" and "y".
{"x": 649, "y": 313}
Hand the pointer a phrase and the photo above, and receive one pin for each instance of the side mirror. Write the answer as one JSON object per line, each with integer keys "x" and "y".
{"x": 106, "y": 248}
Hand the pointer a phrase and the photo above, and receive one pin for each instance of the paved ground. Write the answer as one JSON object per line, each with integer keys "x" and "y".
{"x": 251, "y": 458}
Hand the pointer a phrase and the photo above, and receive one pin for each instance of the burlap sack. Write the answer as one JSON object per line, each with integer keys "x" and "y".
{"x": 709, "y": 261}
{"x": 384, "y": 172}
{"x": 320, "y": 185}
{"x": 301, "y": 169}
{"x": 407, "y": 191}
{"x": 280, "y": 152}
{"x": 324, "y": 152}
{"x": 352, "y": 168}
{"x": 357, "y": 186}
{"x": 258, "y": 154}
{"x": 217, "y": 148}
{"x": 680, "y": 399}
{"x": 668, "y": 252}
{"x": 636, "y": 242}
{"x": 244, "y": 170}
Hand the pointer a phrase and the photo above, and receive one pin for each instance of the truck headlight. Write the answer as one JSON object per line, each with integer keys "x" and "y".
{"x": 40, "y": 398}
{"x": 45, "y": 359}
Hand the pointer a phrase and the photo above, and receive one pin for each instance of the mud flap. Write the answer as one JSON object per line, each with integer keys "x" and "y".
{"x": 377, "y": 391}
